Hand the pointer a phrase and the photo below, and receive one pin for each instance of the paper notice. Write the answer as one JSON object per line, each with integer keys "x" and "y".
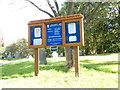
{"x": 37, "y": 41}
{"x": 37, "y": 32}
{"x": 71, "y": 28}
{"x": 72, "y": 38}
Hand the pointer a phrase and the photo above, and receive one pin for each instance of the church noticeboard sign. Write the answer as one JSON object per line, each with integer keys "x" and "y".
{"x": 60, "y": 31}
{"x": 56, "y": 32}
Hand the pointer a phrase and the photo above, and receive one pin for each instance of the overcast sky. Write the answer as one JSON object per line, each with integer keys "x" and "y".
{"x": 15, "y": 14}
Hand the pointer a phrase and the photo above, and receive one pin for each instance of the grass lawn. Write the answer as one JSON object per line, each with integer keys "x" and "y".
{"x": 99, "y": 71}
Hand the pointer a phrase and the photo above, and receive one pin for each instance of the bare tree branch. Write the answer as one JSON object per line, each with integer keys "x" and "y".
{"x": 57, "y": 7}
{"x": 52, "y": 8}
{"x": 92, "y": 14}
{"x": 39, "y": 8}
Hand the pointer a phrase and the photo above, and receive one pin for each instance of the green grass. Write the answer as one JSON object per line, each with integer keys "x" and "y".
{"x": 95, "y": 72}
{"x": 106, "y": 54}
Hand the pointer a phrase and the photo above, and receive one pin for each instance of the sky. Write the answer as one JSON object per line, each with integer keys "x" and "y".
{"x": 15, "y": 15}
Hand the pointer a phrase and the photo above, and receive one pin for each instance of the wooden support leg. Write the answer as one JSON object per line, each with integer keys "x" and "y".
{"x": 36, "y": 61}
{"x": 76, "y": 55}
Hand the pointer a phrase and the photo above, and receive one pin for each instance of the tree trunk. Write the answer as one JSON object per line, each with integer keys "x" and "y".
{"x": 42, "y": 56}
{"x": 69, "y": 50}
{"x": 69, "y": 57}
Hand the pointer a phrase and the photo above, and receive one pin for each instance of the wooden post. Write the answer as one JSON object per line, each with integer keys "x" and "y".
{"x": 36, "y": 61}
{"x": 76, "y": 55}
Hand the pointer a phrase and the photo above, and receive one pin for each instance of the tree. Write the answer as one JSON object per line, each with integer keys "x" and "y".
{"x": 68, "y": 50}
{"x": 21, "y": 47}
{"x": 91, "y": 12}
{"x": 78, "y": 8}
{"x": 56, "y": 13}
{"x": 102, "y": 33}
{"x": 101, "y": 26}
{"x": 12, "y": 48}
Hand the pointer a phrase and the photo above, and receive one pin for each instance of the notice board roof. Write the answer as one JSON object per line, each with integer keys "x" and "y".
{"x": 76, "y": 16}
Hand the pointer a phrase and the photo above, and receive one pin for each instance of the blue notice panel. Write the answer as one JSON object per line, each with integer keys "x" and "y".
{"x": 36, "y": 35}
{"x": 72, "y": 32}
{"x": 54, "y": 34}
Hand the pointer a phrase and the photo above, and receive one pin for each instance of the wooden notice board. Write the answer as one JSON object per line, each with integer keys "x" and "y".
{"x": 60, "y": 31}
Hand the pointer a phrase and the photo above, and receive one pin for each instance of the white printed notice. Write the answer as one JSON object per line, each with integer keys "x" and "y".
{"x": 37, "y": 41}
{"x": 37, "y": 32}
{"x": 72, "y": 38}
{"x": 71, "y": 28}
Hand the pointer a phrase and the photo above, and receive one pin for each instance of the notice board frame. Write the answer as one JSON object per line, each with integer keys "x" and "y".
{"x": 81, "y": 43}
{"x": 63, "y": 20}
{"x": 43, "y": 36}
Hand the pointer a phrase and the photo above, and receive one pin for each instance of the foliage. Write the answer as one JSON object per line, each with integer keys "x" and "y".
{"x": 95, "y": 72}
{"x": 49, "y": 53}
{"x": 12, "y": 48}
{"x": 21, "y": 47}
{"x": 61, "y": 50}
{"x": 93, "y": 13}
{"x": 101, "y": 34}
